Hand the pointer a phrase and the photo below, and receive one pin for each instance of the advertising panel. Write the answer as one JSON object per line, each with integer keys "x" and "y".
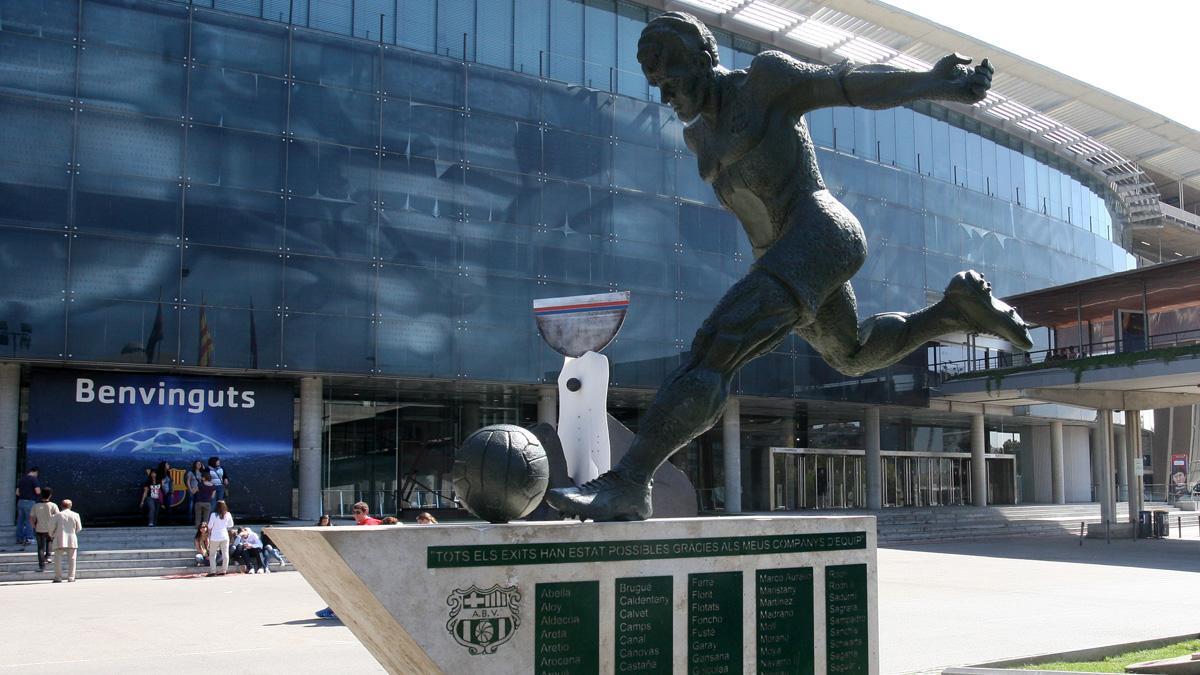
{"x": 96, "y": 435}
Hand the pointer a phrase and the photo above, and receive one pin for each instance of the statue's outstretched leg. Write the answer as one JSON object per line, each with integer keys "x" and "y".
{"x": 855, "y": 348}
{"x": 753, "y": 317}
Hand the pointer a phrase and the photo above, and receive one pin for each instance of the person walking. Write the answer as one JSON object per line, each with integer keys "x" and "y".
{"x": 152, "y": 497}
{"x": 28, "y": 491}
{"x": 65, "y": 537}
{"x": 42, "y": 519}
{"x": 220, "y": 522}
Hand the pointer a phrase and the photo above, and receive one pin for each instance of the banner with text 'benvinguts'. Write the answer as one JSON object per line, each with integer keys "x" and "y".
{"x": 94, "y": 435}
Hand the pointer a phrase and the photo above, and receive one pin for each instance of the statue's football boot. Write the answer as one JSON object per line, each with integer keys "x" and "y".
{"x": 610, "y": 496}
{"x": 970, "y": 294}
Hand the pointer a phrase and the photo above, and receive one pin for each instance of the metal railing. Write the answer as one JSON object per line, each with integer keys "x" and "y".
{"x": 338, "y": 502}
{"x": 1064, "y": 355}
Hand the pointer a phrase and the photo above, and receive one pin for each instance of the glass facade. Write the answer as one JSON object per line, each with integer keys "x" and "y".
{"x": 349, "y": 205}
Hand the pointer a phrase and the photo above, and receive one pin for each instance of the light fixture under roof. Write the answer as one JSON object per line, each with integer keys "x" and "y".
{"x": 715, "y": 6}
{"x": 817, "y": 34}
{"x": 767, "y": 16}
{"x": 864, "y": 51}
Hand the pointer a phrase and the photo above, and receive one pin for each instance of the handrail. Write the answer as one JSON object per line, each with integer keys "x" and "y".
{"x": 1001, "y": 360}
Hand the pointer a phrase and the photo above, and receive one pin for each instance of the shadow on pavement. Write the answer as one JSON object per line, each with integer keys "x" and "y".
{"x": 1180, "y": 555}
{"x": 308, "y": 622}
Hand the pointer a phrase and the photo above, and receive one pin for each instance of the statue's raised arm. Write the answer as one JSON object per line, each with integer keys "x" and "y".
{"x": 805, "y": 86}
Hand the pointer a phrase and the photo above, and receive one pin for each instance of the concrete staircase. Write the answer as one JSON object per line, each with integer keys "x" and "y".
{"x": 114, "y": 552}
{"x": 900, "y": 526}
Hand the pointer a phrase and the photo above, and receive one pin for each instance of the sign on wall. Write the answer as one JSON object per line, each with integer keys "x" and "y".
{"x": 93, "y": 435}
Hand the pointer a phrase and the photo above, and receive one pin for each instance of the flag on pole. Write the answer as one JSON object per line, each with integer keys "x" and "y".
{"x": 253, "y": 339}
{"x": 206, "y": 341}
{"x": 156, "y": 333}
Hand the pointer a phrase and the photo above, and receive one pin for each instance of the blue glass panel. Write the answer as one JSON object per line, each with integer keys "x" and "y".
{"x": 578, "y": 109}
{"x": 241, "y": 338}
{"x": 508, "y": 94}
{"x": 336, "y": 115}
{"x": 641, "y": 363}
{"x": 414, "y": 293}
{"x": 423, "y": 346}
{"x": 906, "y": 140}
{"x": 923, "y": 139}
{"x": 843, "y": 128}
{"x": 31, "y": 66}
{"x": 642, "y": 122}
{"x": 116, "y": 286}
{"x": 1002, "y": 185}
{"x": 313, "y": 342}
{"x": 32, "y": 299}
{"x": 54, "y": 19}
{"x": 600, "y": 47}
{"x": 418, "y": 192}
{"x": 246, "y": 7}
{"x": 496, "y": 354}
{"x": 228, "y": 158}
{"x": 286, "y": 11}
{"x": 231, "y": 98}
{"x": 493, "y": 196}
{"x": 456, "y": 29}
{"x": 329, "y": 286}
{"x": 219, "y": 215}
{"x": 417, "y": 27}
{"x": 885, "y": 135}
{"x": 576, "y": 157}
{"x": 373, "y": 16}
{"x": 324, "y": 59}
{"x": 332, "y": 15}
{"x": 132, "y": 82}
{"x": 642, "y": 168}
{"x": 329, "y": 211}
{"x": 820, "y": 126}
{"x": 142, "y": 207}
{"x": 34, "y": 180}
{"x": 437, "y": 133}
{"x": 631, "y": 19}
{"x": 989, "y": 166}
{"x": 865, "y": 143}
{"x": 498, "y": 143}
{"x": 495, "y": 44}
{"x": 689, "y": 185}
{"x": 958, "y": 155}
{"x": 1042, "y": 173}
{"x": 229, "y": 42}
{"x": 153, "y": 27}
{"x": 645, "y": 218}
{"x": 708, "y": 229}
{"x": 532, "y": 24}
{"x": 129, "y": 146}
{"x": 941, "y": 167}
{"x": 572, "y": 208}
{"x": 566, "y": 41}
{"x": 975, "y": 179}
{"x": 228, "y": 277}
{"x": 424, "y": 78}
{"x": 499, "y": 248}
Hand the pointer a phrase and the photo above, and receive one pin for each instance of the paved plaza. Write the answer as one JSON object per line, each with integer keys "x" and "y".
{"x": 940, "y": 604}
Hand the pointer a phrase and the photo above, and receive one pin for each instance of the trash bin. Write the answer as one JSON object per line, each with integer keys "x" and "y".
{"x": 1162, "y": 528}
{"x": 1145, "y": 525}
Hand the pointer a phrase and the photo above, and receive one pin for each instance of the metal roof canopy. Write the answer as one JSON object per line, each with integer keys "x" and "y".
{"x": 1166, "y": 286}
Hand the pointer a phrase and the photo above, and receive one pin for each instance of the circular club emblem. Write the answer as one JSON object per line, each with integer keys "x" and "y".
{"x": 483, "y": 619}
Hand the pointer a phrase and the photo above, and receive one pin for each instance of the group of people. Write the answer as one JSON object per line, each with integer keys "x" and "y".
{"x": 1064, "y": 354}
{"x": 362, "y": 516}
{"x": 55, "y": 529}
{"x": 205, "y": 486}
{"x": 218, "y": 542}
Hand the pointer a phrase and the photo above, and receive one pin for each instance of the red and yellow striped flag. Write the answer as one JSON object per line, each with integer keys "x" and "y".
{"x": 206, "y": 341}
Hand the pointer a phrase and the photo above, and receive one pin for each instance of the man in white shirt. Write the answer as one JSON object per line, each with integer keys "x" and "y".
{"x": 64, "y": 536}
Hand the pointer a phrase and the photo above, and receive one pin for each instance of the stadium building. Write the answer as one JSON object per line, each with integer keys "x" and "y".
{"x": 347, "y": 208}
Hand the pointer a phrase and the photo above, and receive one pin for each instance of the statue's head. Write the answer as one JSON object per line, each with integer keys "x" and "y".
{"x": 678, "y": 55}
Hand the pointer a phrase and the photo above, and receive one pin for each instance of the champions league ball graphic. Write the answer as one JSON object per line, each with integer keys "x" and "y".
{"x": 501, "y": 473}
{"x": 166, "y": 443}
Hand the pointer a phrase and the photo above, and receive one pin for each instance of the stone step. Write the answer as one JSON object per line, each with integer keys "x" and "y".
{"x": 110, "y": 573}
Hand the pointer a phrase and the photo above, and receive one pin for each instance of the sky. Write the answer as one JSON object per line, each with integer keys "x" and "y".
{"x": 1142, "y": 51}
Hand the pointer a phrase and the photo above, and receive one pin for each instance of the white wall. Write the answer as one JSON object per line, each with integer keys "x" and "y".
{"x": 1077, "y": 463}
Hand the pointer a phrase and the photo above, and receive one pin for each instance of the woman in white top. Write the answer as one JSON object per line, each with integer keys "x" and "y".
{"x": 220, "y": 522}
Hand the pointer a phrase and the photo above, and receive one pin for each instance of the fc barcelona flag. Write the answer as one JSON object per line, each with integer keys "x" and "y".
{"x": 206, "y": 341}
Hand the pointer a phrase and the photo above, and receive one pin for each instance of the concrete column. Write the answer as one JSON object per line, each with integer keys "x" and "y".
{"x": 547, "y": 410}
{"x": 312, "y": 421}
{"x": 732, "y": 442}
{"x": 1105, "y": 488}
{"x": 978, "y": 463}
{"x": 10, "y": 410}
{"x": 872, "y": 461}
{"x": 1122, "y": 461}
{"x": 1133, "y": 443}
{"x": 470, "y": 418}
{"x": 1058, "y": 484}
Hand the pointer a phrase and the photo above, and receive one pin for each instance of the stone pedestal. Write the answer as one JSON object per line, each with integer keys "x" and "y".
{"x": 735, "y": 594}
